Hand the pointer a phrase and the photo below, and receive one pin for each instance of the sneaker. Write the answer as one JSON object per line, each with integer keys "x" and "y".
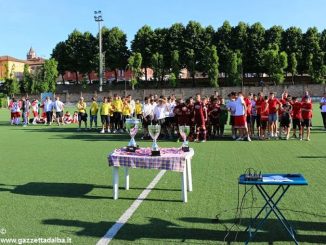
{"x": 248, "y": 139}
{"x": 196, "y": 140}
{"x": 109, "y": 131}
{"x": 102, "y": 131}
{"x": 239, "y": 139}
{"x": 114, "y": 131}
{"x": 300, "y": 139}
{"x": 203, "y": 141}
{"x": 78, "y": 129}
{"x": 233, "y": 137}
{"x": 308, "y": 139}
{"x": 121, "y": 131}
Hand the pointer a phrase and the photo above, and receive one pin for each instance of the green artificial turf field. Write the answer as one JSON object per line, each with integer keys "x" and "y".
{"x": 55, "y": 182}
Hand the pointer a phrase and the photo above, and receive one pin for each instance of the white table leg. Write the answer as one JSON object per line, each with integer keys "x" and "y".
{"x": 184, "y": 185}
{"x": 115, "y": 182}
{"x": 189, "y": 174}
{"x": 126, "y": 178}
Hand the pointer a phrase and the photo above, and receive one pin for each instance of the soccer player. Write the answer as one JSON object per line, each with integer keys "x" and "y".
{"x": 247, "y": 101}
{"x": 273, "y": 105}
{"x": 264, "y": 114}
{"x": 285, "y": 118}
{"x": 214, "y": 117}
{"x": 47, "y": 108}
{"x": 296, "y": 117}
{"x": 306, "y": 111}
{"x": 82, "y": 115}
{"x": 148, "y": 115}
{"x": 240, "y": 121}
{"x": 259, "y": 101}
{"x": 105, "y": 117}
{"x": 93, "y": 110}
{"x": 323, "y": 109}
{"x": 126, "y": 110}
{"x": 35, "y": 108}
{"x": 117, "y": 106}
{"x": 200, "y": 118}
{"x": 231, "y": 105}
{"x": 223, "y": 118}
{"x": 139, "y": 109}
{"x": 58, "y": 106}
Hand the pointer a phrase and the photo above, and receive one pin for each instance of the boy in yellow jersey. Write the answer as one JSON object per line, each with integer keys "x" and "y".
{"x": 126, "y": 110}
{"x": 82, "y": 115}
{"x": 139, "y": 109}
{"x": 93, "y": 113}
{"x": 117, "y": 106}
{"x": 111, "y": 114}
{"x": 105, "y": 117}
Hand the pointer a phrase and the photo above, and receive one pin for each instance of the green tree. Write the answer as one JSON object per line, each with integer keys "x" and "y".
{"x": 234, "y": 69}
{"x": 256, "y": 42}
{"x": 175, "y": 68}
{"x": 292, "y": 66}
{"x": 311, "y": 48}
{"x": 222, "y": 40}
{"x": 142, "y": 44}
{"x": 50, "y": 75}
{"x": 275, "y": 62}
{"x": 273, "y": 36}
{"x": 27, "y": 81}
{"x": 115, "y": 49}
{"x": 12, "y": 86}
{"x": 59, "y": 53}
{"x": 157, "y": 62}
{"x": 135, "y": 64}
{"x": 211, "y": 64}
{"x": 175, "y": 40}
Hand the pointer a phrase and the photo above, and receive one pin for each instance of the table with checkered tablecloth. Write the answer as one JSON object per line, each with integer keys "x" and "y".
{"x": 173, "y": 159}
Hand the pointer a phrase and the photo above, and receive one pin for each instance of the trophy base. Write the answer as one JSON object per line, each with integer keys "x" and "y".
{"x": 132, "y": 148}
{"x": 156, "y": 153}
{"x": 185, "y": 148}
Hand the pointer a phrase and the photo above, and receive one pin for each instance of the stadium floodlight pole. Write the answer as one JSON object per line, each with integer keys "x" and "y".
{"x": 98, "y": 18}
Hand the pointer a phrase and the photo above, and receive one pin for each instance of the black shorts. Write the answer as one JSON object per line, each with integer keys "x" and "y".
{"x": 253, "y": 120}
{"x": 296, "y": 123}
{"x": 232, "y": 120}
{"x": 306, "y": 123}
{"x": 139, "y": 116}
{"x": 117, "y": 116}
{"x": 249, "y": 119}
{"x": 285, "y": 121}
{"x": 82, "y": 116}
{"x": 105, "y": 119}
{"x": 258, "y": 120}
{"x": 59, "y": 114}
{"x": 263, "y": 124}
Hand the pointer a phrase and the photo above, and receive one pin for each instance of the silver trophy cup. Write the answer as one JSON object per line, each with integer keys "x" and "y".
{"x": 154, "y": 132}
{"x": 132, "y": 128}
{"x": 184, "y": 132}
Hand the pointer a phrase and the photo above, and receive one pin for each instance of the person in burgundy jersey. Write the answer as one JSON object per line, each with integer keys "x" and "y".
{"x": 248, "y": 112}
{"x": 282, "y": 101}
{"x": 306, "y": 112}
{"x": 190, "y": 105}
{"x": 214, "y": 116}
{"x": 259, "y": 101}
{"x": 273, "y": 105}
{"x": 296, "y": 116}
{"x": 200, "y": 118}
{"x": 264, "y": 114}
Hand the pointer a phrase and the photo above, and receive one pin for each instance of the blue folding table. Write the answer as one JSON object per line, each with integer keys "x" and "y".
{"x": 272, "y": 200}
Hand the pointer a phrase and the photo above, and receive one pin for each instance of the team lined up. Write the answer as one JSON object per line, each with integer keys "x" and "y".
{"x": 256, "y": 116}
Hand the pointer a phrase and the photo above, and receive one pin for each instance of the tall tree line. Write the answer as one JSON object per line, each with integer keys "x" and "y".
{"x": 231, "y": 51}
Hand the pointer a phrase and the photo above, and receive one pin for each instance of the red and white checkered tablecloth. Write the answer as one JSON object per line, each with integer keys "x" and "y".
{"x": 173, "y": 159}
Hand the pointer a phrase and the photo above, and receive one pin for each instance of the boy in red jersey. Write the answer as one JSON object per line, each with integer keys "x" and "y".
{"x": 273, "y": 105}
{"x": 296, "y": 117}
{"x": 306, "y": 112}
{"x": 214, "y": 115}
{"x": 248, "y": 112}
{"x": 264, "y": 113}
{"x": 200, "y": 118}
{"x": 259, "y": 101}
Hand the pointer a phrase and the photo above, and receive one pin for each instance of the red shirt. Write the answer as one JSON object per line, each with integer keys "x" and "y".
{"x": 214, "y": 111}
{"x": 273, "y": 105}
{"x": 306, "y": 114}
{"x": 258, "y": 105}
{"x": 282, "y": 102}
{"x": 199, "y": 109}
{"x": 264, "y": 111}
{"x": 296, "y": 110}
{"x": 248, "y": 105}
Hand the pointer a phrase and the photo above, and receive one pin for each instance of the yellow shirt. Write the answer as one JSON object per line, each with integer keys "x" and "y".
{"x": 126, "y": 111}
{"x": 138, "y": 108}
{"x": 81, "y": 107}
{"x": 117, "y": 105}
{"x": 105, "y": 109}
{"x": 94, "y": 108}
{"x": 111, "y": 109}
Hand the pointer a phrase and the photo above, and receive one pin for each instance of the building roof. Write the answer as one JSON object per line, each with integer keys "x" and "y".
{"x": 10, "y": 58}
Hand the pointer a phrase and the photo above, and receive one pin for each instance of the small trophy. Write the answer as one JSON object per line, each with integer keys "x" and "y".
{"x": 132, "y": 128}
{"x": 154, "y": 132}
{"x": 184, "y": 132}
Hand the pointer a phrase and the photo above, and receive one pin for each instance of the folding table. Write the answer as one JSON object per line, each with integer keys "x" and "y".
{"x": 282, "y": 182}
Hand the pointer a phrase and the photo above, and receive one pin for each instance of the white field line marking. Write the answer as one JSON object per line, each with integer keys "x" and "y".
{"x": 110, "y": 234}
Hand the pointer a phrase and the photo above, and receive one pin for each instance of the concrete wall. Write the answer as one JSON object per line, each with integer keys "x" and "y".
{"x": 294, "y": 90}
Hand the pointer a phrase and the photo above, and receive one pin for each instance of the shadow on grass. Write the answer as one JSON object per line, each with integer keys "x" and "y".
{"x": 159, "y": 229}
{"x": 312, "y": 157}
{"x": 70, "y": 190}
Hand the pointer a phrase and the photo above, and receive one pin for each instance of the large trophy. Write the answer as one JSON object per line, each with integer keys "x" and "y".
{"x": 154, "y": 132}
{"x": 132, "y": 128}
{"x": 184, "y": 132}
